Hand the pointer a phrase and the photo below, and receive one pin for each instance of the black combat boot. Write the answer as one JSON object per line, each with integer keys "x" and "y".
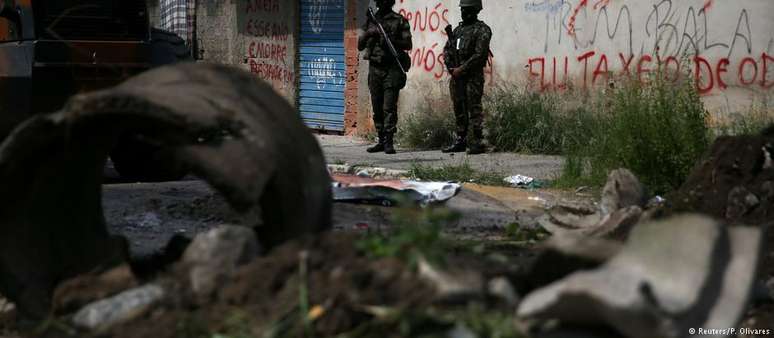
{"x": 476, "y": 148}
{"x": 379, "y": 146}
{"x": 459, "y": 146}
{"x": 476, "y": 144}
{"x": 388, "y": 146}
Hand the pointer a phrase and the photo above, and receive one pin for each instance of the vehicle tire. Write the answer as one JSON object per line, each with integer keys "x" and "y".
{"x": 233, "y": 130}
{"x": 137, "y": 159}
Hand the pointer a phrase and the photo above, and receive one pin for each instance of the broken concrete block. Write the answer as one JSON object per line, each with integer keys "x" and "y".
{"x": 620, "y": 209}
{"x": 622, "y": 190}
{"x": 6, "y": 306}
{"x": 452, "y": 286}
{"x": 616, "y": 225}
{"x": 579, "y": 207}
{"x": 569, "y": 220}
{"x": 564, "y": 254}
{"x": 740, "y": 202}
{"x": 232, "y": 130}
{"x": 568, "y": 216}
{"x": 215, "y": 254}
{"x": 502, "y": 288}
{"x": 672, "y": 275}
{"x": 118, "y": 309}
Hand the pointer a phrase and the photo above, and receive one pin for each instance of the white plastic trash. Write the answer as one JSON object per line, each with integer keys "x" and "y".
{"x": 519, "y": 180}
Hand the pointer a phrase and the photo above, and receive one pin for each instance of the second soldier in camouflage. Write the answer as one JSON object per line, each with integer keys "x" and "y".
{"x": 469, "y": 48}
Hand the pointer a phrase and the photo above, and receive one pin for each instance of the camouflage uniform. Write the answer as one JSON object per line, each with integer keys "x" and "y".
{"x": 470, "y": 44}
{"x": 385, "y": 78}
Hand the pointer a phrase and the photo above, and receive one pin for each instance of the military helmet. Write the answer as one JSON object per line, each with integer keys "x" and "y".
{"x": 389, "y": 3}
{"x": 471, "y": 3}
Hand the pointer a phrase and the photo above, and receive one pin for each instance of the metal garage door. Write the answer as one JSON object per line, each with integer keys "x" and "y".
{"x": 321, "y": 94}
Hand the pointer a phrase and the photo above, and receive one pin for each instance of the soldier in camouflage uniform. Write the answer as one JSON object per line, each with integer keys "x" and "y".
{"x": 385, "y": 77}
{"x": 469, "y": 45}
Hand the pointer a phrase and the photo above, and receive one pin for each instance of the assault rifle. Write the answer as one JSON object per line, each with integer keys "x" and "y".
{"x": 393, "y": 51}
{"x": 450, "y": 53}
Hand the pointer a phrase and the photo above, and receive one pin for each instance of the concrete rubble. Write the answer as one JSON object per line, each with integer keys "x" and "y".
{"x": 621, "y": 207}
{"x": 75, "y": 293}
{"x": 502, "y": 288}
{"x": 452, "y": 285}
{"x": 740, "y": 202}
{"x": 232, "y": 131}
{"x": 562, "y": 255}
{"x": 685, "y": 272}
{"x": 213, "y": 256}
{"x": 623, "y": 189}
{"x": 123, "y": 307}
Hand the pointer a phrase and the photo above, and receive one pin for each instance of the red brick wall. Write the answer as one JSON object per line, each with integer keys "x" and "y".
{"x": 352, "y": 62}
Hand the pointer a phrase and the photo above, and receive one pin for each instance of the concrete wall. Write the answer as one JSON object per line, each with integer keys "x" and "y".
{"x": 257, "y": 35}
{"x": 153, "y": 12}
{"x": 267, "y": 38}
{"x": 556, "y": 44}
{"x": 363, "y": 99}
{"x": 217, "y": 31}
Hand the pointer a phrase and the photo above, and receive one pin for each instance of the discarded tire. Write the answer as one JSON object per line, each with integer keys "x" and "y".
{"x": 229, "y": 128}
{"x": 139, "y": 159}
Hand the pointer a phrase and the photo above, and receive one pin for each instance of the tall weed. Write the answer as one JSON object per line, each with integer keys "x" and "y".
{"x": 753, "y": 120}
{"x": 431, "y": 126}
{"x": 524, "y": 121}
{"x": 658, "y": 131}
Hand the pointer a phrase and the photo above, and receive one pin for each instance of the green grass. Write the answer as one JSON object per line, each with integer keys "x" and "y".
{"x": 658, "y": 131}
{"x": 416, "y": 233}
{"x": 431, "y": 126}
{"x": 753, "y": 120}
{"x": 457, "y": 173}
{"x": 529, "y": 122}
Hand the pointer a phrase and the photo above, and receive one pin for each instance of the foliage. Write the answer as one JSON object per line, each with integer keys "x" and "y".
{"x": 658, "y": 130}
{"x": 416, "y": 233}
{"x": 523, "y": 121}
{"x": 432, "y": 126}
{"x": 752, "y": 121}
{"x": 457, "y": 173}
{"x": 516, "y": 232}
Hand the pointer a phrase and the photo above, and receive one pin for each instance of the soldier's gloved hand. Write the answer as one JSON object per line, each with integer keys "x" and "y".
{"x": 456, "y": 72}
{"x": 372, "y": 31}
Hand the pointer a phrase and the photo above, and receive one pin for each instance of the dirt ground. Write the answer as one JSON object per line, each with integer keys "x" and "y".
{"x": 327, "y": 286}
{"x": 348, "y": 292}
{"x": 733, "y": 163}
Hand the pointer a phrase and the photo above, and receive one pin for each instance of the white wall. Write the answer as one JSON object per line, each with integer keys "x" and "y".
{"x": 536, "y": 40}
